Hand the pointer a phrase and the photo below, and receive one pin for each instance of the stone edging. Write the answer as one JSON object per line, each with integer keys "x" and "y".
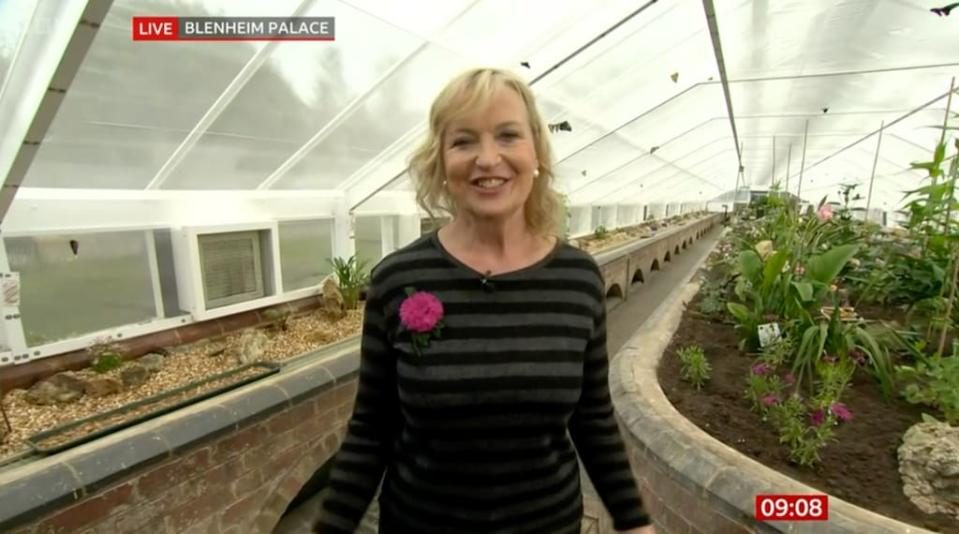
{"x": 727, "y": 480}
{"x": 53, "y": 482}
{"x": 623, "y": 249}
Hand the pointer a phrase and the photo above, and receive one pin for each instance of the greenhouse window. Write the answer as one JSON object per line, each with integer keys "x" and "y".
{"x": 231, "y": 265}
{"x": 107, "y": 283}
{"x": 305, "y": 250}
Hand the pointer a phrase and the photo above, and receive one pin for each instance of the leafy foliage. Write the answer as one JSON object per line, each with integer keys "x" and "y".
{"x": 105, "y": 355}
{"x": 797, "y": 430}
{"x": 107, "y": 362}
{"x": 695, "y": 369}
{"x": 713, "y": 298}
{"x": 352, "y": 276}
{"x": 932, "y": 381}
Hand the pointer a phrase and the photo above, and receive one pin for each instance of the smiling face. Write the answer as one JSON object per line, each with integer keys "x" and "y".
{"x": 489, "y": 158}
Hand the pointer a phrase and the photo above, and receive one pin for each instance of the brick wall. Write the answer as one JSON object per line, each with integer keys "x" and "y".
{"x": 238, "y": 482}
{"x": 677, "y": 507}
{"x": 615, "y": 273}
{"x": 620, "y": 270}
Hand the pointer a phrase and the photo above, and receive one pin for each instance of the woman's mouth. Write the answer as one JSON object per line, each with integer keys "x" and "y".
{"x": 489, "y": 183}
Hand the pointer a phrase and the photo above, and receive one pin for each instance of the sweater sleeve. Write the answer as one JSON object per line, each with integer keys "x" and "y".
{"x": 597, "y": 438}
{"x": 359, "y": 465}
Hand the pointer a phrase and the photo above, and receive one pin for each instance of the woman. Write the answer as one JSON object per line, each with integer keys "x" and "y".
{"x": 483, "y": 359}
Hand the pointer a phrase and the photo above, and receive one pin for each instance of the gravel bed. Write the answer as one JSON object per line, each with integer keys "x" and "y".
{"x": 51, "y": 442}
{"x": 184, "y": 364}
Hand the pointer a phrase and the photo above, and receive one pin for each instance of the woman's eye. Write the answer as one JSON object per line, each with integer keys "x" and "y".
{"x": 509, "y": 135}
{"x": 461, "y": 141}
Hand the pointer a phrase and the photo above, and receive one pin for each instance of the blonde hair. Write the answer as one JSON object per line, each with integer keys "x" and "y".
{"x": 469, "y": 91}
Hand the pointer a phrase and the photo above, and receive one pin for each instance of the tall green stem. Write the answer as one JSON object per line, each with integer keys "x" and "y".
{"x": 947, "y": 229}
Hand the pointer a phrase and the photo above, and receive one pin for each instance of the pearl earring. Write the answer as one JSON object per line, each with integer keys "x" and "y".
{"x": 536, "y": 173}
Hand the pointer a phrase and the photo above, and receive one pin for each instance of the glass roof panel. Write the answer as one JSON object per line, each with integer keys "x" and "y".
{"x": 383, "y": 117}
{"x": 789, "y": 37}
{"x": 599, "y": 158}
{"x": 477, "y": 34}
{"x": 132, "y": 103}
{"x": 420, "y": 22}
{"x": 14, "y": 18}
{"x": 648, "y": 114}
{"x": 495, "y": 31}
{"x": 292, "y": 96}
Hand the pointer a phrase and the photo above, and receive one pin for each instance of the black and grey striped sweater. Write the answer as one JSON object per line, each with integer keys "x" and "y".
{"x": 471, "y": 433}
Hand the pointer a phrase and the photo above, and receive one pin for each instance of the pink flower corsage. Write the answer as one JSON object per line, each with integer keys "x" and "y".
{"x": 422, "y": 314}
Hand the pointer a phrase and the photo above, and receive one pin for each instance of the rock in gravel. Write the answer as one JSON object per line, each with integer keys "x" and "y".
{"x": 252, "y": 346}
{"x": 60, "y": 388}
{"x": 133, "y": 374}
{"x": 153, "y": 362}
{"x": 101, "y": 386}
{"x": 333, "y": 304}
{"x": 929, "y": 466}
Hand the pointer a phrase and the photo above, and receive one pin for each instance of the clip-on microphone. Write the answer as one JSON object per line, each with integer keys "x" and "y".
{"x": 485, "y": 282}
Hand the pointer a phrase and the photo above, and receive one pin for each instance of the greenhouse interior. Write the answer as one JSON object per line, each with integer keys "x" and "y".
{"x": 193, "y": 231}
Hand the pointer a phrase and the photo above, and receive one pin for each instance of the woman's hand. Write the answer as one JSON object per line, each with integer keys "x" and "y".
{"x": 648, "y": 529}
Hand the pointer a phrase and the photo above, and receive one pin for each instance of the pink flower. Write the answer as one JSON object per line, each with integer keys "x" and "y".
{"x": 840, "y": 411}
{"x": 771, "y": 399}
{"x": 825, "y": 212}
{"x": 790, "y": 379}
{"x": 816, "y": 417}
{"x": 858, "y": 357}
{"x": 421, "y": 312}
{"x": 799, "y": 270}
{"x": 761, "y": 369}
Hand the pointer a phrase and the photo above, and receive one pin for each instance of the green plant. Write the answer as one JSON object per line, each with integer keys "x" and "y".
{"x": 601, "y": 232}
{"x": 804, "y": 431}
{"x": 763, "y": 389}
{"x": 352, "y": 276}
{"x": 932, "y": 217}
{"x": 106, "y": 362}
{"x": 831, "y": 339}
{"x": 778, "y": 353}
{"x": 105, "y": 355}
{"x": 694, "y": 367}
{"x": 933, "y": 381}
{"x": 713, "y": 298}
{"x": 789, "y": 280}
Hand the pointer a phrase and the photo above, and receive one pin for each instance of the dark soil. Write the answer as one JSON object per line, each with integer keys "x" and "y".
{"x": 860, "y": 467}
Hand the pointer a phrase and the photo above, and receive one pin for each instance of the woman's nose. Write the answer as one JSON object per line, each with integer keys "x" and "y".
{"x": 488, "y": 154}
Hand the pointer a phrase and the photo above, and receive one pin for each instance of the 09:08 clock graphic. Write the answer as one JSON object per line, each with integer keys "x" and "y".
{"x": 792, "y": 507}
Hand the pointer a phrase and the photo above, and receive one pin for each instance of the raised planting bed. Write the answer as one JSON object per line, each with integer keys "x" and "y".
{"x": 72, "y": 434}
{"x": 798, "y": 355}
{"x": 182, "y": 365}
{"x": 691, "y": 481}
{"x": 604, "y": 240}
{"x": 860, "y": 467}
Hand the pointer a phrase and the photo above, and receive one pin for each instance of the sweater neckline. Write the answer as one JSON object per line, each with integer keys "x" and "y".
{"x": 435, "y": 239}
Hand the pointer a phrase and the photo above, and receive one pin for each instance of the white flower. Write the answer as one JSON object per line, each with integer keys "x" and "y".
{"x": 764, "y": 248}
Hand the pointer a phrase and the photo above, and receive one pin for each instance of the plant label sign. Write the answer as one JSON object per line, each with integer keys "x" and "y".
{"x": 10, "y": 282}
{"x": 768, "y": 334}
